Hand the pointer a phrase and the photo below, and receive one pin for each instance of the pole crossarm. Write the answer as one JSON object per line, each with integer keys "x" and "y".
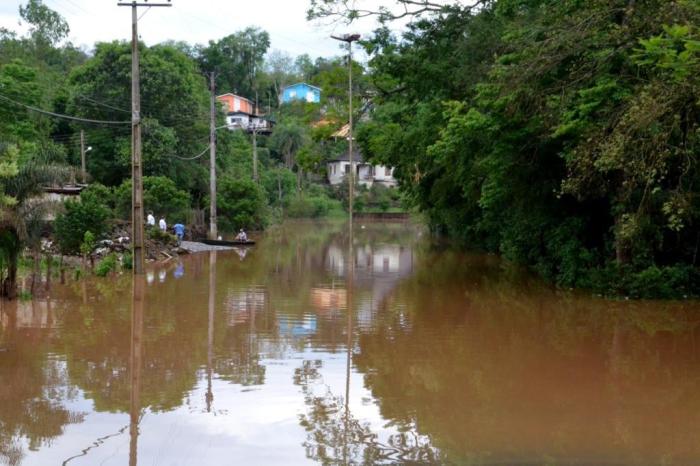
{"x": 143, "y": 4}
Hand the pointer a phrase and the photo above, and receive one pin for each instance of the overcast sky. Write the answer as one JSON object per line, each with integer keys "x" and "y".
{"x": 195, "y": 21}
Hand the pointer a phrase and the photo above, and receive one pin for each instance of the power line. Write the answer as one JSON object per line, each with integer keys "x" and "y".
{"x": 195, "y": 157}
{"x": 67, "y": 117}
{"x": 102, "y": 104}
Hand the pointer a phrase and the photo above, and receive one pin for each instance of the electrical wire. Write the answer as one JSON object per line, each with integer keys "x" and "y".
{"x": 193, "y": 158}
{"x": 101, "y": 104}
{"x": 67, "y": 117}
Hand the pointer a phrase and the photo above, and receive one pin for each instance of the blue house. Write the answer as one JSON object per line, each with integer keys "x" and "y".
{"x": 301, "y": 91}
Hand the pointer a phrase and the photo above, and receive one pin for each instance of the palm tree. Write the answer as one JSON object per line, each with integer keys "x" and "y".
{"x": 22, "y": 213}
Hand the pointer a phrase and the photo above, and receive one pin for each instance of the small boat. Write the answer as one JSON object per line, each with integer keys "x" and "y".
{"x": 223, "y": 242}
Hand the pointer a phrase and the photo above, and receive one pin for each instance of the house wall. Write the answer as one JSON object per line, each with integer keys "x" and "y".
{"x": 366, "y": 174}
{"x": 301, "y": 92}
{"x": 236, "y": 103}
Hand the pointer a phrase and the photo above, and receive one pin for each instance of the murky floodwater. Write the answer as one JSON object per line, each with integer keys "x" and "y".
{"x": 242, "y": 358}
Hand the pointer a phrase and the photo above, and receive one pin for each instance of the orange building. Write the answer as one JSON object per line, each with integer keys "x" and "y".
{"x": 236, "y": 103}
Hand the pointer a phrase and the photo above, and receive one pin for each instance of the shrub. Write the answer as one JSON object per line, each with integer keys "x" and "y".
{"x": 156, "y": 234}
{"x": 79, "y": 218}
{"x": 241, "y": 204}
{"x": 128, "y": 261}
{"x": 312, "y": 206}
{"x": 100, "y": 194}
{"x": 106, "y": 265}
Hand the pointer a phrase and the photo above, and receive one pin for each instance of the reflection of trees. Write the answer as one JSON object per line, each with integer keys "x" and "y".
{"x": 334, "y": 436}
{"x": 31, "y": 391}
{"x": 511, "y": 372}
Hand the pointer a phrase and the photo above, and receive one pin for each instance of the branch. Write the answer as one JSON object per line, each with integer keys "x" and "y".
{"x": 348, "y": 11}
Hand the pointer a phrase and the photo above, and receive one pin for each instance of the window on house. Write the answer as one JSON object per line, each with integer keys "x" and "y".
{"x": 310, "y": 96}
{"x": 347, "y": 169}
{"x": 292, "y": 94}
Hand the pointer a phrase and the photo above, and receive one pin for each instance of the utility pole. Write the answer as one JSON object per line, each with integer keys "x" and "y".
{"x": 136, "y": 169}
{"x": 83, "y": 172}
{"x": 212, "y": 158}
{"x": 255, "y": 154}
{"x": 350, "y": 38}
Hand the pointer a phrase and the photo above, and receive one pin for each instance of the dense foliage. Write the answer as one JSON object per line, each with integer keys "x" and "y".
{"x": 89, "y": 213}
{"x": 559, "y": 133}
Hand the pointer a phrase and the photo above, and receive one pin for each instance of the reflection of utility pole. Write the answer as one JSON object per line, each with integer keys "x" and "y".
{"x": 135, "y": 366}
{"x": 210, "y": 329}
{"x": 348, "y": 361}
{"x": 136, "y": 180}
{"x": 212, "y": 158}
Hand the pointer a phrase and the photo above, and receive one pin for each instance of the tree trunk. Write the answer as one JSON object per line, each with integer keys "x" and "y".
{"x": 62, "y": 271}
{"x": 622, "y": 247}
{"x": 9, "y": 284}
{"x": 49, "y": 260}
{"x": 36, "y": 272}
{"x": 299, "y": 174}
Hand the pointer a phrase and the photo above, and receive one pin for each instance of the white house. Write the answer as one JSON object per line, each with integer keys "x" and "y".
{"x": 365, "y": 173}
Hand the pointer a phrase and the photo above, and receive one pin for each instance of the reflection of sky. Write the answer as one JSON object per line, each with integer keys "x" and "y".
{"x": 241, "y": 429}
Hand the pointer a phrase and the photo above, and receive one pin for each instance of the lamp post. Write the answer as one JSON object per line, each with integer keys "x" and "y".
{"x": 350, "y": 38}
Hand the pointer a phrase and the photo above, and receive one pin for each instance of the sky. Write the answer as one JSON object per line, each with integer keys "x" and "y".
{"x": 196, "y": 21}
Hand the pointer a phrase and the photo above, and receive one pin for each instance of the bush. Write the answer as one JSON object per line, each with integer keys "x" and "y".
{"x": 241, "y": 204}
{"x": 78, "y": 218}
{"x": 106, "y": 265}
{"x": 312, "y": 206}
{"x": 128, "y": 261}
{"x": 100, "y": 194}
{"x": 156, "y": 234}
{"x": 670, "y": 282}
{"x": 160, "y": 195}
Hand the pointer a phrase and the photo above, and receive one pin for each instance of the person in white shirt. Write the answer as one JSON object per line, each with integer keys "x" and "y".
{"x": 162, "y": 225}
{"x": 150, "y": 220}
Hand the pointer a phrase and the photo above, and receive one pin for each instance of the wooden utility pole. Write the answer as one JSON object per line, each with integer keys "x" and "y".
{"x": 350, "y": 38}
{"x": 255, "y": 154}
{"x": 136, "y": 169}
{"x": 212, "y": 158}
{"x": 83, "y": 171}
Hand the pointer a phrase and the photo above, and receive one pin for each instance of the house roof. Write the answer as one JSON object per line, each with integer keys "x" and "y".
{"x": 252, "y": 115}
{"x": 234, "y": 95}
{"x": 69, "y": 189}
{"x": 343, "y": 132}
{"x": 303, "y": 84}
{"x": 344, "y": 157}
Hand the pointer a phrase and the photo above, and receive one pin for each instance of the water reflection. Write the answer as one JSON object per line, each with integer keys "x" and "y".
{"x": 135, "y": 367}
{"x": 405, "y": 354}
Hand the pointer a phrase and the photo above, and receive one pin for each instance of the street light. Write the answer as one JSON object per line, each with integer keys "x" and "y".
{"x": 350, "y": 38}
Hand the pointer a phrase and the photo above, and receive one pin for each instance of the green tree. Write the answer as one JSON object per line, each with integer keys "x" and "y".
{"x": 22, "y": 210}
{"x": 101, "y": 89}
{"x": 46, "y": 26}
{"x": 236, "y": 59}
{"x": 89, "y": 214}
{"x": 241, "y": 204}
{"x": 160, "y": 195}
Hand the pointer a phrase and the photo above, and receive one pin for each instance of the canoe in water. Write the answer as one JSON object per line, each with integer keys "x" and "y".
{"x": 222, "y": 242}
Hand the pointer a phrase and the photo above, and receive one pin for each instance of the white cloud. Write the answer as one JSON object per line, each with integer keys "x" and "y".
{"x": 195, "y": 21}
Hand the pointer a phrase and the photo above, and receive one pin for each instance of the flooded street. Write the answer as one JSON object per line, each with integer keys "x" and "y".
{"x": 284, "y": 353}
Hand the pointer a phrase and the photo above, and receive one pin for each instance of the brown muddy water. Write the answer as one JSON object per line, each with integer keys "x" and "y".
{"x": 289, "y": 353}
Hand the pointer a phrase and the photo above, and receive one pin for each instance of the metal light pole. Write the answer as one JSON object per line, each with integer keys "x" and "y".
{"x": 350, "y": 38}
